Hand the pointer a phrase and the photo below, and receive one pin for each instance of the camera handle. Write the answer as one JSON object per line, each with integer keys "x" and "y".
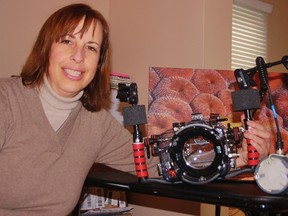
{"x": 253, "y": 155}
{"x": 134, "y": 115}
{"x": 139, "y": 153}
{"x": 247, "y": 101}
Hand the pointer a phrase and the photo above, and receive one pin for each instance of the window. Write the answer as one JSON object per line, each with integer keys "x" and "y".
{"x": 249, "y": 32}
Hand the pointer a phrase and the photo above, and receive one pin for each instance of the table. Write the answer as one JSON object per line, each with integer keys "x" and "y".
{"x": 245, "y": 195}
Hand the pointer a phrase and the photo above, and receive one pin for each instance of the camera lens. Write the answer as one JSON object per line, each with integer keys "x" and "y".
{"x": 198, "y": 152}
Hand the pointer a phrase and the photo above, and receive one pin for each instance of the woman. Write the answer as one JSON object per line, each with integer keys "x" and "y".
{"x": 53, "y": 120}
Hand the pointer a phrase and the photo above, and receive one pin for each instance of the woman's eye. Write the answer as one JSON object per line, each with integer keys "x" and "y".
{"x": 91, "y": 48}
{"x": 66, "y": 41}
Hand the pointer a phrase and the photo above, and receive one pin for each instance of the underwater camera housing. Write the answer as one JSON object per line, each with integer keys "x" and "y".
{"x": 196, "y": 152}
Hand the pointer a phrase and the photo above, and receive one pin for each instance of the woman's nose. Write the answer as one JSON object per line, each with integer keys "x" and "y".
{"x": 78, "y": 55}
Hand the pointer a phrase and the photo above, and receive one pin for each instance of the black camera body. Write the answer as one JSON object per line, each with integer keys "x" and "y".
{"x": 198, "y": 151}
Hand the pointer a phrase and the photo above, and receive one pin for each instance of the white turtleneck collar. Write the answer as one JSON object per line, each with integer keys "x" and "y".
{"x": 56, "y": 107}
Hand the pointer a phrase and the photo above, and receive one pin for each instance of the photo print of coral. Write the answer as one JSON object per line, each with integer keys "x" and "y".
{"x": 176, "y": 93}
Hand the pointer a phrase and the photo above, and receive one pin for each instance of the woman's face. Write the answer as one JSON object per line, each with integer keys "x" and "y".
{"x": 74, "y": 59}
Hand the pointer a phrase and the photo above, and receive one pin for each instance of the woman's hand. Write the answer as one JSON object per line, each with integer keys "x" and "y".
{"x": 260, "y": 138}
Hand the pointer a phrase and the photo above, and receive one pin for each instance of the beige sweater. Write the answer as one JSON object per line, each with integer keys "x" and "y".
{"x": 42, "y": 171}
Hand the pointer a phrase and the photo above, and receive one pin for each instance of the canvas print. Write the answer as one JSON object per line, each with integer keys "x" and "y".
{"x": 176, "y": 93}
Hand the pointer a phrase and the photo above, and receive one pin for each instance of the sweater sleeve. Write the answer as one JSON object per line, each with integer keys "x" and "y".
{"x": 4, "y": 116}
{"x": 2, "y": 129}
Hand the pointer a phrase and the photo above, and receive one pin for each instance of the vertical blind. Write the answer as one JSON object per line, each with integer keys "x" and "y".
{"x": 249, "y": 36}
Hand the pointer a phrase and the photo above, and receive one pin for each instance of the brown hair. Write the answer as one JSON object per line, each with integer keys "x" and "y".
{"x": 64, "y": 21}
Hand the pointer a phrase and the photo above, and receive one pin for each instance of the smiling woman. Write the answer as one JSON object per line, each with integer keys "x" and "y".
{"x": 79, "y": 35}
{"x": 54, "y": 124}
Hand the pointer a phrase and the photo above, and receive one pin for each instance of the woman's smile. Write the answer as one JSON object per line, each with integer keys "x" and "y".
{"x": 73, "y": 74}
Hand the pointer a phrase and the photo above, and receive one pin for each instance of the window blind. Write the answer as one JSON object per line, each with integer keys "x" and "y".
{"x": 249, "y": 35}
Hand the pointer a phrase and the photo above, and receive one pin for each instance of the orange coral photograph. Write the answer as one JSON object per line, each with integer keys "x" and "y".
{"x": 176, "y": 93}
